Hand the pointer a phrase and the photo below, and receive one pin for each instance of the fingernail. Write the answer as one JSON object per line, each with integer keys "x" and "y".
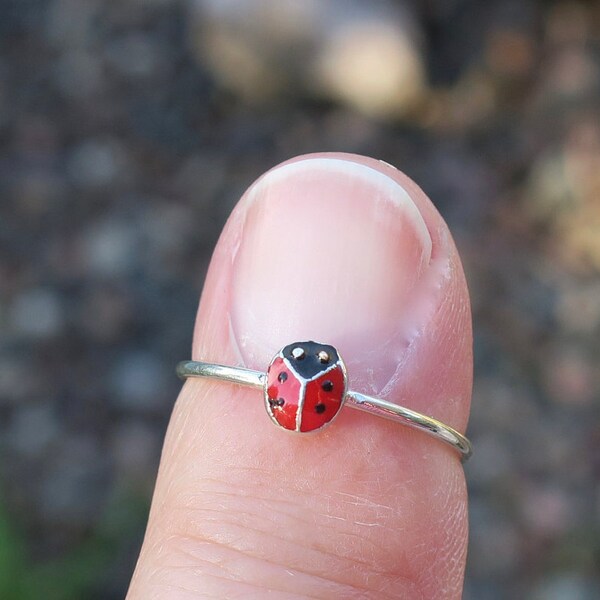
{"x": 331, "y": 251}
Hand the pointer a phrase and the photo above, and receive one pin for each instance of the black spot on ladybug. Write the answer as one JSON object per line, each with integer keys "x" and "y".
{"x": 319, "y": 408}
{"x": 282, "y": 377}
{"x": 279, "y": 402}
{"x": 327, "y": 386}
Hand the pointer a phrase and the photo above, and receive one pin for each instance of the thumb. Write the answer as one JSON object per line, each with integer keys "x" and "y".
{"x": 347, "y": 251}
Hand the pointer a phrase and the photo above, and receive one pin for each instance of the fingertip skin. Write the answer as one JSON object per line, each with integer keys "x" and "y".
{"x": 422, "y": 354}
{"x": 365, "y": 508}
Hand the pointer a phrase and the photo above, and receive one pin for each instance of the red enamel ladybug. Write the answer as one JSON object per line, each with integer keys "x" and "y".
{"x": 306, "y": 386}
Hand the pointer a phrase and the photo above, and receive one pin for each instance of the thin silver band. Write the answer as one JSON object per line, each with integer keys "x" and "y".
{"x": 375, "y": 406}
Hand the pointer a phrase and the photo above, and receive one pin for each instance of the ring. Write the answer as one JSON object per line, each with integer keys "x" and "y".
{"x": 305, "y": 387}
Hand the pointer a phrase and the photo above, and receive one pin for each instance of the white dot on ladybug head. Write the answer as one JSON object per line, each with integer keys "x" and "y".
{"x": 323, "y": 356}
{"x": 298, "y": 353}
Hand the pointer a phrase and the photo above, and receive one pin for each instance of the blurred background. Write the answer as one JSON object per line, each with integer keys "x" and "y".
{"x": 128, "y": 130}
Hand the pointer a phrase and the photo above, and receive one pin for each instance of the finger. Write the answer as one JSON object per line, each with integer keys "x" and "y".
{"x": 347, "y": 251}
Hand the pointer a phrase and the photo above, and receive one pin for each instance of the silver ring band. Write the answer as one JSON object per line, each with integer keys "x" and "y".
{"x": 375, "y": 406}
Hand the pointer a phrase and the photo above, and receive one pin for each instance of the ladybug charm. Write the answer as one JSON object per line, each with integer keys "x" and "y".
{"x": 305, "y": 386}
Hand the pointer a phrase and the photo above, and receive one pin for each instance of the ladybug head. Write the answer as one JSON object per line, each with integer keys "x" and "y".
{"x": 309, "y": 359}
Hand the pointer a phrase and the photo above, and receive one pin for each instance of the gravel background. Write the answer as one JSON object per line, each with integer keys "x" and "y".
{"x": 127, "y": 132}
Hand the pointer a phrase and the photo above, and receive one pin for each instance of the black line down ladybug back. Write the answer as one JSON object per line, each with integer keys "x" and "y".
{"x": 306, "y": 385}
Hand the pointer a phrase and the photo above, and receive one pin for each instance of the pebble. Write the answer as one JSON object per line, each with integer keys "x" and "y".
{"x": 33, "y": 429}
{"x": 139, "y": 381}
{"x": 365, "y": 56}
{"x": 36, "y": 313}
